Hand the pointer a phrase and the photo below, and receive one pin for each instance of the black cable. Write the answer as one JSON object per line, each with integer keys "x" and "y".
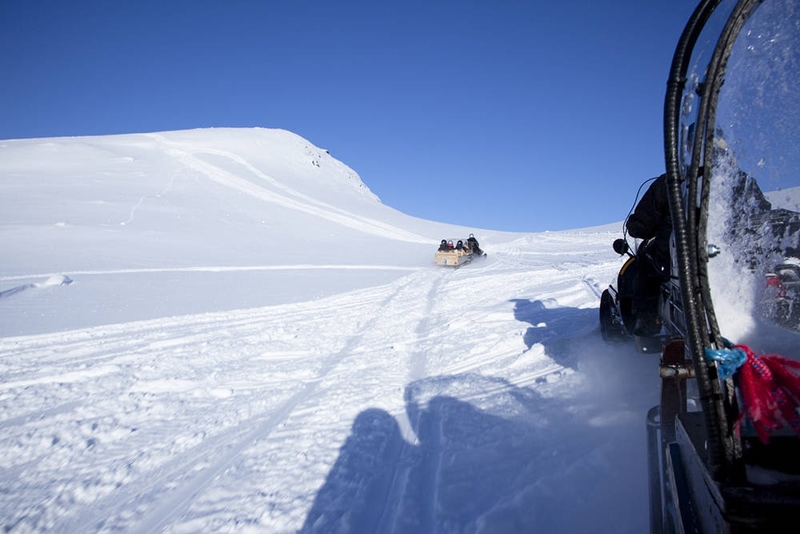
{"x": 686, "y": 270}
{"x": 715, "y": 78}
{"x": 690, "y": 220}
{"x": 633, "y": 207}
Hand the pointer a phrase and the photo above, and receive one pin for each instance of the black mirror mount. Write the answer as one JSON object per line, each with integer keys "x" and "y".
{"x": 621, "y": 246}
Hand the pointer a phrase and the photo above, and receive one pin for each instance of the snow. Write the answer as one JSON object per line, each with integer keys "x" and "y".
{"x": 224, "y": 330}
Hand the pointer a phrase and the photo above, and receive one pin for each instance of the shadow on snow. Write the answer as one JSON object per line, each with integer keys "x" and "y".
{"x": 488, "y": 457}
{"x": 559, "y": 329}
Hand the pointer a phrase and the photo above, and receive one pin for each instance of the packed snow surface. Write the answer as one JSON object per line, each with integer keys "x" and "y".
{"x": 224, "y": 330}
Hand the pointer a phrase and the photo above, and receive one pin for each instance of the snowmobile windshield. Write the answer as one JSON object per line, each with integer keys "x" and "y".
{"x": 750, "y": 153}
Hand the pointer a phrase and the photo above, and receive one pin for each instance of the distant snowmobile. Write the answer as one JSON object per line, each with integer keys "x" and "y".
{"x": 457, "y": 252}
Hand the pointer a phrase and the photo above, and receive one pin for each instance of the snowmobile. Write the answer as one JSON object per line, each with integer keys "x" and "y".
{"x": 724, "y": 441}
{"x": 617, "y": 311}
{"x": 457, "y": 252}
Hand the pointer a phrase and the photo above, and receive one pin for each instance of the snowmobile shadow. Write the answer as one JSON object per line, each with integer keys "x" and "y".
{"x": 489, "y": 456}
{"x": 558, "y": 329}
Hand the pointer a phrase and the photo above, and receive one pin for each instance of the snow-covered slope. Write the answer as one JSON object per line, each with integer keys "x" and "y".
{"x": 189, "y": 208}
{"x": 226, "y": 331}
{"x": 187, "y": 196}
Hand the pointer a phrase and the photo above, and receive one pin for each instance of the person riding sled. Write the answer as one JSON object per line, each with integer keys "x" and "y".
{"x": 473, "y": 245}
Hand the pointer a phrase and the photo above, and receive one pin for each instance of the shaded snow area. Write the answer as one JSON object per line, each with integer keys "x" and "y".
{"x": 226, "y": 331}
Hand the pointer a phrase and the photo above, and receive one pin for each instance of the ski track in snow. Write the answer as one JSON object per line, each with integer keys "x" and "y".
{"x": 196, "y": 423}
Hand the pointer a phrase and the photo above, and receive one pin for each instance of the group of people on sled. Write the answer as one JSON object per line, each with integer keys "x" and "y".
{"x": 471, "y": 246}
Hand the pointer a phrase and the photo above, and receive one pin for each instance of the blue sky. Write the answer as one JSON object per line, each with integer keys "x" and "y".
{"x": 500, "y": 114}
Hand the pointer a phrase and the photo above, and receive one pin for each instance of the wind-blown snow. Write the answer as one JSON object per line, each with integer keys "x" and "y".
{"x": 224, "y": 330}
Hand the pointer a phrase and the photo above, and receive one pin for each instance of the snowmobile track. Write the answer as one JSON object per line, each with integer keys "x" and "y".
{"x": 228, "y": 447}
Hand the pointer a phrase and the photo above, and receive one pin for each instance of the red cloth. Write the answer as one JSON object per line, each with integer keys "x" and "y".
{"x": 770, "y": 391}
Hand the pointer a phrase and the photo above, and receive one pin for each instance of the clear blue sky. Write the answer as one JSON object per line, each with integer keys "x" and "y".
{"x": 500, "y": 114}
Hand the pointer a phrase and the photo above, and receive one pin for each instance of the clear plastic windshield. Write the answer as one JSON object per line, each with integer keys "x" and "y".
{"x": 754, "y": 185}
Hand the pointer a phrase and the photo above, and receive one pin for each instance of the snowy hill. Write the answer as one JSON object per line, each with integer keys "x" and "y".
{"x": 197, "y": 192}
{"x": 187, "y": 207}
{"x": 225, "y": 330}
